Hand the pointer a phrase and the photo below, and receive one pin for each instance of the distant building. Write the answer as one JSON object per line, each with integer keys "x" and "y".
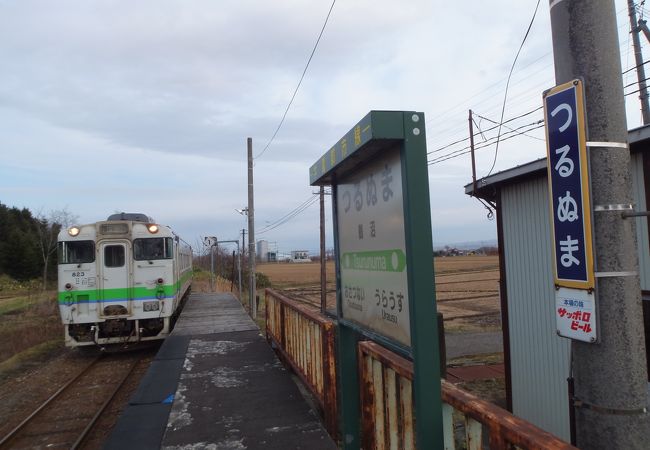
{"x": 299, "y": 256}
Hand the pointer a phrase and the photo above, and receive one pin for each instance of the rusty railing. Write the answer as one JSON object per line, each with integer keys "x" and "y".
{"x": 387, "y": 410}
{"x": 305, "y": 340}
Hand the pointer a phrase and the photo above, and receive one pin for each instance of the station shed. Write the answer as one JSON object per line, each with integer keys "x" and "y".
{"x": 537, "y": 360}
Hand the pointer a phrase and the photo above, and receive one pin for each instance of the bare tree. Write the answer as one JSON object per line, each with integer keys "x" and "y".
{"x": 48, "y": 229}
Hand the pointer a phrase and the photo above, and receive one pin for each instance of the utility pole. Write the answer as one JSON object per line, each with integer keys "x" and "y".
{"x": 251, "y": 233}
{"x": 323, "y": 260}
{"x": 635, "y": 28}
{"x": 243, "y": 240}
{"x": 211, "y": 267}
{"x": 611, "y": 385}
{"x": 471, "y": 148}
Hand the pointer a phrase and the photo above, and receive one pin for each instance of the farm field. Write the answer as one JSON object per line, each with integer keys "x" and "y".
{"x": 467, "y": 288}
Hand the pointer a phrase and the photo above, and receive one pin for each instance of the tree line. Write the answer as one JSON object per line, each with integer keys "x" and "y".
{"x": 28, "y": 242}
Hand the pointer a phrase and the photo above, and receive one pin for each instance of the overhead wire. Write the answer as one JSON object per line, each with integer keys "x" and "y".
{"x": 467, "y": 149}
{"x": 290, "y": 215}
{"x": 487, "y": 143}
{"x": 493, "y": 121}
{"x": 460, "y": 152}
{"x": 286, "y": 111}
{"x": 505, "y": 96}
{"x": 492, "y": 91}
{"x": 486, "y": 130}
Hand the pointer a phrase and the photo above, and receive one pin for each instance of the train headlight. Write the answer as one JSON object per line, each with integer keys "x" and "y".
{"x": 160, "y": 281}
{"x": 73, "y": 231}
{"x": 153, "y": 228}
{"x": 68, "y": 286}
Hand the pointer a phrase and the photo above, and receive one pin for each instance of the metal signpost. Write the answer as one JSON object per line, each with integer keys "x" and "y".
{"x": 384, "y": 266}
{"x": 569, "y": 201}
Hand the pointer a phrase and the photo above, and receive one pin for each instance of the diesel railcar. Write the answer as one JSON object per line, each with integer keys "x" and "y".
{"x": 121, "y": 280}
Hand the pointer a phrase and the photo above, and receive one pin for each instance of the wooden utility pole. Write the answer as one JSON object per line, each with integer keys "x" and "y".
{"x": 251, "y": 234}
{"x": 611, "y": 385}
{"x": 471, "y": 148}
{"x": 638, "y": 59}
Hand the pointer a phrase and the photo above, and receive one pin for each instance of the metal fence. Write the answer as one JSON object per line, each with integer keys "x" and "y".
{"x": 305, "y": 340}
{"x": 387, "y": 417}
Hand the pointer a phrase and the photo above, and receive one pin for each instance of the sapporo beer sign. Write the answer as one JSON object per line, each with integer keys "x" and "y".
{"x": 374, "y": 280}
{"x": 569, "y": 202}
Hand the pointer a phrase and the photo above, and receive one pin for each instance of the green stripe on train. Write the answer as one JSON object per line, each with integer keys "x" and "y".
{"x": 107, "y": 295}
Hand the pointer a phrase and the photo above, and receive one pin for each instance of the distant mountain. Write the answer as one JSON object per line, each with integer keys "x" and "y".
{"x": 469, "y": 245}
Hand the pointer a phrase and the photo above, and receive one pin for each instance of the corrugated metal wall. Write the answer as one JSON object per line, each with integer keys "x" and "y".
{"x": 539, "y": 358}
{"x": 638, "y": 192}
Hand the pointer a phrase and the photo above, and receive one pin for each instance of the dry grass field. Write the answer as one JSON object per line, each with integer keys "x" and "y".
{"x": 467, "y": 288}
{"x": 30, "y": 328}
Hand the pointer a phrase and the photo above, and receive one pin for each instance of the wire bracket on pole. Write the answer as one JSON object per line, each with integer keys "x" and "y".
{"x": 598, "y": 144}
{"x": 613, "y": 411}
{"x": 614, "y": 274}
{"x": 625, "y": 215}
{"x": 614, "y": 207}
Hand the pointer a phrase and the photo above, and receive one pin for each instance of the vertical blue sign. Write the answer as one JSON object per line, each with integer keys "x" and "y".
{"x": 569, "y": 185}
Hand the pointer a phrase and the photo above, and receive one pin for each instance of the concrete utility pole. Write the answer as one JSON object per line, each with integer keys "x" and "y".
{"x": 323, "y": 260}
{"x": 638, "y": 59}
{"x": 251, "y": 234}
{"x": 611, "y": 384}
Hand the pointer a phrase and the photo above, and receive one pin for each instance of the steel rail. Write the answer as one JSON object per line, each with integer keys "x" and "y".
{"x": 92, "y": 422}
{"x": 43, "y": 405}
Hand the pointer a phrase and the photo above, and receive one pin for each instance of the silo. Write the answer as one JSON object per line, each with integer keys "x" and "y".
{"x": 262, "y": 250}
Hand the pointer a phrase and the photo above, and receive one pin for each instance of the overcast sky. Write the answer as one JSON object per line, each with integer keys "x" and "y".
{"x": 109, "y": 106}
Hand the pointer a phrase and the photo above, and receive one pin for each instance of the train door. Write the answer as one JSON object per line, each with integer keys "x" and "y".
{"x": 115, "y": 280}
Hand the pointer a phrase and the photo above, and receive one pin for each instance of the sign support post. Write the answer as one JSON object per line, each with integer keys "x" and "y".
{"x": 384, "y": 265}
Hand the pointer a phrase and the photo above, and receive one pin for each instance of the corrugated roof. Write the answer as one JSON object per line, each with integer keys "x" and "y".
{"x": 486, "y": 187}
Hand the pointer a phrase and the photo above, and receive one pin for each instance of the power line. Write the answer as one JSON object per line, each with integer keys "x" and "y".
{"x": 635, "y": 67}
{"x": 485, "y": 131}
{"x": 492, "y": 139}
{"x": 290, "y": 215}
{"x": 299, "y": 82}
{"x": 635, "y": 83}
{"x": 509, "y": 128}
{"x": 297, "y": 208}
{"x": 466, "y": 150}
{"x": 505, "y": 96}
{"x": 432, "y": 119}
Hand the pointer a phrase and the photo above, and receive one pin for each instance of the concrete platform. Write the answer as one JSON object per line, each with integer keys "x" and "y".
{"x": 216, "y": 383}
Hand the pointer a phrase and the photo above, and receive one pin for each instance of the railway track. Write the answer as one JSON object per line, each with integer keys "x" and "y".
{"x": 68, "y": 416}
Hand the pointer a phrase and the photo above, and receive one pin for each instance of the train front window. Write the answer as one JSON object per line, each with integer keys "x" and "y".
{"x": 76, "y": 252}
{"x": 114, "y": 256}
{"x": 152, "y": 248}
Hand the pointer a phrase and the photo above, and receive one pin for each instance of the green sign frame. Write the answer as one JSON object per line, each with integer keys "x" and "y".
{"x": 378, "y": 134}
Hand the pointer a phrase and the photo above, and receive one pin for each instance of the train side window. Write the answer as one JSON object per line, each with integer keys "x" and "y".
{"x": 114, "y": 256}
{"x": 76, "y": 252}
{"x": 152, "y": 248}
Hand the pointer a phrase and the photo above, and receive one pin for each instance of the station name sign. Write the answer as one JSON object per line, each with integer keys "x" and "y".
{"x": 373, "y": 267}
{"x": 570, "y": 209}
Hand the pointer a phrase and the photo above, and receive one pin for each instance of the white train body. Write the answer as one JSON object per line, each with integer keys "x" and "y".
{"x": 121, "y": 280}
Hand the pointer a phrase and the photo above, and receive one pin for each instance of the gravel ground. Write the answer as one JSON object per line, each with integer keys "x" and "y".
{"x": 21, "y": 394}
